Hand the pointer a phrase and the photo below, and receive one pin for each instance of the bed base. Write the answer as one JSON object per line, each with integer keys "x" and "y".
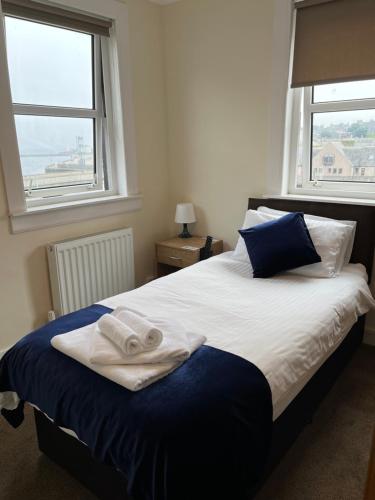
{"x": 105, "y": 482}
{"x": 73, "y": 456}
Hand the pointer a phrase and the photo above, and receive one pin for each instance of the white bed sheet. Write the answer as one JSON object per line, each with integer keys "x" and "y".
{"x": 286, "y": 325}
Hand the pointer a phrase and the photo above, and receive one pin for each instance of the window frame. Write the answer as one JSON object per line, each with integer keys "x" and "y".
{"x": 45, "y": 196}
{"x": 302, "y": 105}
{"x": 120, "y": 138}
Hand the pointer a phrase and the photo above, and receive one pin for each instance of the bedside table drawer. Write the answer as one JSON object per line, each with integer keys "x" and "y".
{"x": 177, "y": 253}
{"x": 176, "y": 257}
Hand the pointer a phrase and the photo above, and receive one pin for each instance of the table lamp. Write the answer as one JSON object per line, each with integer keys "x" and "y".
{"x": 185, "y": 215}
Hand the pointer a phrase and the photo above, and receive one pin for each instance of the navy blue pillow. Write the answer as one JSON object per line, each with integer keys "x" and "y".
{"x": 279, "y": 245}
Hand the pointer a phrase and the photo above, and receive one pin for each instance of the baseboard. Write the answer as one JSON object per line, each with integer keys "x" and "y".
{"x": 369, "y": 337}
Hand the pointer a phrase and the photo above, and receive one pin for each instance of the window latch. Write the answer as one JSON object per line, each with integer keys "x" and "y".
{"x": 316, "y": 184}
{"x": 94, "y": 184}
{"x": 29, "y": 190}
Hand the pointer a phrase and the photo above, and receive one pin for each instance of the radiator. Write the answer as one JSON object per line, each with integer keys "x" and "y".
{"x": 86, "y": 270}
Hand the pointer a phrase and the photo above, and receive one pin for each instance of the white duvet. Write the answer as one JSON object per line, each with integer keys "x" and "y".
{"x": 286, "y": 325}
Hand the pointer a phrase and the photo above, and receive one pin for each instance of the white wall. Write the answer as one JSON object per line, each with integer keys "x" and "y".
{"x": 218, "y": 78}
{"x": 24, "y": 283}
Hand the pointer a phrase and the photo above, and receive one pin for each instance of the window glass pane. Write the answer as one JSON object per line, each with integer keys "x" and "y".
{"x": 344, "y": 91}
{"x": 49, "y": 66}
{"x": 343, "y": 146}
{"x": 55, "y": 151}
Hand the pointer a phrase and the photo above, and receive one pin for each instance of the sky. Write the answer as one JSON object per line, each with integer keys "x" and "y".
{"x": 345, "y": 91}
{"x": 49, "y": 66}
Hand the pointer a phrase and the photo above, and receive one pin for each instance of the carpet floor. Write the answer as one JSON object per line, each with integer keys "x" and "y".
{"x": 327, "y": 462}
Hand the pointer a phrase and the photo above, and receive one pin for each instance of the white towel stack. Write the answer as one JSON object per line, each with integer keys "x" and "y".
{"x": 130, "y": 349}
{"x": 134, "y": 340}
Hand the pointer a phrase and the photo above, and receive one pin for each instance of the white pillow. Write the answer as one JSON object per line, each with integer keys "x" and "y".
{"x": 327, "y": 236}
{"x": 252, "y": 218}
{"x": 347, "y": 249}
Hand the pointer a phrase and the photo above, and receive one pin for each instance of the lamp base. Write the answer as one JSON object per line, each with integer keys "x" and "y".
{"x": 185, "y": 233}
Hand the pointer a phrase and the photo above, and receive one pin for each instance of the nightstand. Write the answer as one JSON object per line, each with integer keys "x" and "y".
{"x": 177, "y": 253}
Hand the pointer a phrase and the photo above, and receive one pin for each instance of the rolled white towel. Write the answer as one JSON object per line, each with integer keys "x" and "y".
{"x": 149, "y": 335}
{"x": 120, "y": 334}
{"x": 177, "y": 347}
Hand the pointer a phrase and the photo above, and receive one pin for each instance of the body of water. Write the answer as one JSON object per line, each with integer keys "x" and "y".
{"x": 37, "y": 164}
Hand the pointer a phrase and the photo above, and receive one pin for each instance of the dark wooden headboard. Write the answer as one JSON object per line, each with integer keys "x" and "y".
{"x": 363, "y": 250}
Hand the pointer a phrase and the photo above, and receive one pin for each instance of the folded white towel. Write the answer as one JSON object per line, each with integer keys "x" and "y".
{"x": 176, "y": 347}
{"x": 150, "y": 336}
{"x": 77, "y": 345}
{"x": 120, "y": 334}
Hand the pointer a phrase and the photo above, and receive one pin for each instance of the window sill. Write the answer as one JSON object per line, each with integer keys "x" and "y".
{"x": 67, "y": 213}
{"x": 330, "y": 199}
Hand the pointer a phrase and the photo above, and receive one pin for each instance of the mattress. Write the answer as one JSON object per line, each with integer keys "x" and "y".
{"x": 286, "y": 325}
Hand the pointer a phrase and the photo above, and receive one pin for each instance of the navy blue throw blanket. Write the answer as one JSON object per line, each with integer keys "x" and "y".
{"x": 201, "y": 433}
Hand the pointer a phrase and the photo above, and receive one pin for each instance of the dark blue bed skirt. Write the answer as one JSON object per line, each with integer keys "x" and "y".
{"x": 201, "y": 433}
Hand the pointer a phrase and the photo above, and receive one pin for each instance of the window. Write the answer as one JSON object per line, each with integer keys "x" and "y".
{"x": 68, "y": 150}
{"x": 334, "y": 130}
{"x": 328, "y": 160}
{"x": 56, "y": 85}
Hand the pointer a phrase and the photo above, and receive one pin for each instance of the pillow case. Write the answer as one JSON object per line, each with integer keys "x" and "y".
{"x": 348, "y": 245}
{"x": 252, "y": 218}
{"x": 279, "y": 245}
{"x": 327, "y": 236}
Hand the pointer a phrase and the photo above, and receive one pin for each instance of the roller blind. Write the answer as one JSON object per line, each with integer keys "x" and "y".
{"x": 56, "y": 16}
{"x": 334, "y": 41}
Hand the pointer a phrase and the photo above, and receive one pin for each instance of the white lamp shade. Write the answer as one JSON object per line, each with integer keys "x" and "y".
{"x": 185, "y": 213}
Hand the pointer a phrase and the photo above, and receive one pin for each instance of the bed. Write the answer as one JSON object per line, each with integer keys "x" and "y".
{"x": 272, "y": 381}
